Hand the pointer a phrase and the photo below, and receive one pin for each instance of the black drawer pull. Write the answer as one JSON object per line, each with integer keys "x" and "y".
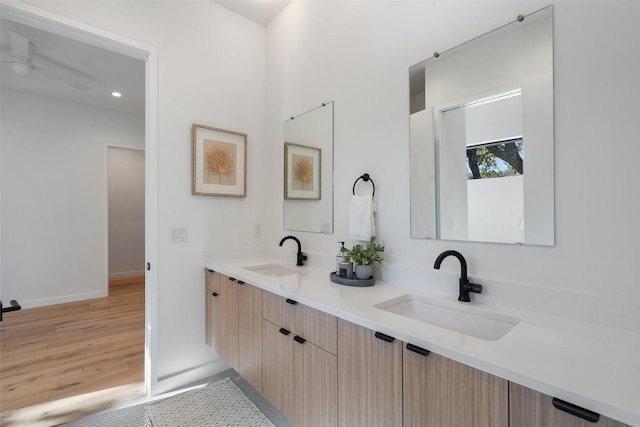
{"x": 283, "y": 331}
{"x": 384, "y": 337}
{"x": 240, "y": 282}
{"x": 572, "y": 409}
{"x": 215, "y": 294}
{"x": 290, "y": 301}
{"x": 211, "y": 271}
{"x": 421, "y": 351}
{"x": 233, "y": 279}
{"x": 299, "y": 339}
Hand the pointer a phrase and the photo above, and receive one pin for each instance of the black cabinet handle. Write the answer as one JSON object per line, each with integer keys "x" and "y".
{"x": 290, "y": 301}
{"x": 283, "y": 331}
{"x": 299, "y": 339}
{"x": 572, "y": 409}
{"x": 233, "y": 279}
{"x": 211, "y": 271}
{"x": 215, "y": 294}
{"x": 384, "y": 337}
{"x": 421, "y": 351}
{"x": 240, "y": 282}
{"x": 148, "y": 266}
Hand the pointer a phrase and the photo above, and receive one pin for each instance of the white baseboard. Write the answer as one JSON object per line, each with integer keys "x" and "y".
{"x": 62, "y": 299}
{"x": 177, "y": 380}
{"x": 126, "y": 274}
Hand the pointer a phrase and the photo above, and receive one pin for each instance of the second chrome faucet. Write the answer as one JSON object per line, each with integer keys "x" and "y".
{"x": 465, "y": 286}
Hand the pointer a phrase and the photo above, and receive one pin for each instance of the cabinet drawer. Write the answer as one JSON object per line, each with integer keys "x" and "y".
{"x": 313, "y": 325}
{"x": 317, "y": 327}
{"x": 276, "y": 310}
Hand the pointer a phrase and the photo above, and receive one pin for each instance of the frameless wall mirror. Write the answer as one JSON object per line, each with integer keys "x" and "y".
{"x": 308, "y": 171}
{"x": 481, "y": 129}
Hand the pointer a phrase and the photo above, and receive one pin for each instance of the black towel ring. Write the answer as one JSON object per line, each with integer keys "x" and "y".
{"x": 365, "y": 177}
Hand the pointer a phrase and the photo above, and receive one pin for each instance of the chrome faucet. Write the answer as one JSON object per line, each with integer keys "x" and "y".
{"x": 465, "y": 286}
{"x": 301, "y": 257}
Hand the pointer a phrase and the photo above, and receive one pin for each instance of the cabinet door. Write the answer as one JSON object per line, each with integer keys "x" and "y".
{"x": 441, "y": 392}
{"x": 250, "y": 334}
{"x": 227, "y": 327}
{"x": 277, "y": 368}
{"x": 529, "y": 408}
{"x": 212, "y": 291}
{"x": 315, "y": 381}
{"x": 369, "y": 378}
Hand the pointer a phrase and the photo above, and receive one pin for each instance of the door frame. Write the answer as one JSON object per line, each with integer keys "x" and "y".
{"x": 76, "y": 30}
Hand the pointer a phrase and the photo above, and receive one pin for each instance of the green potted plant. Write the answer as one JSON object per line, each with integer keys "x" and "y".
{"x": 365, "y": 257}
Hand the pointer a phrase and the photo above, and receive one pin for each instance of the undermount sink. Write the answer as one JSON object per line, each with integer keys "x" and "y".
{"x": 472, "y": 321}
{"x": 272, "y": 270}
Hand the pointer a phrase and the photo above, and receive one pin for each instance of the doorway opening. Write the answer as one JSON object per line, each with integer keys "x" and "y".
{"x": 44, "y": 216}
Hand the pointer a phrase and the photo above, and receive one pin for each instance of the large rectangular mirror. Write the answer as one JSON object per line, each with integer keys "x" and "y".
{"x": 481, "y": 129}
{"x": 308, "y": 171}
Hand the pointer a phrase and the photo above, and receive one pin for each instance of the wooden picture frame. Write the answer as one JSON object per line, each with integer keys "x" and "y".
{"x": 219, "y": 162}
{"x": 302, "y": 172}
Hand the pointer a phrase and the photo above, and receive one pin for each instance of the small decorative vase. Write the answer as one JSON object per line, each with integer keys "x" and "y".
{"x": 363, "y": 272}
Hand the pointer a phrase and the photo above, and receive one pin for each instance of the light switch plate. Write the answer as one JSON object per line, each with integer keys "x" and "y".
{"x": 178, "y": 234}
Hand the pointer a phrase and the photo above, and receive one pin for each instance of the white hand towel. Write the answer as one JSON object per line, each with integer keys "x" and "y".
{"x": 361, "y": 222}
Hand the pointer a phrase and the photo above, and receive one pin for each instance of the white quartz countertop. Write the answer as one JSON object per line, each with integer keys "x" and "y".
{"x": 592, "y": 366}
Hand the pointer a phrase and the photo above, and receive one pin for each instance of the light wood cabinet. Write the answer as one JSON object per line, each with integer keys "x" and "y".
{"x": 529, "y": 408}
{"x": 212, "y": 291}
{"x": 250, "y": 334}
{"x": 315, "y": 383}
{"x": 227, "y": 318}
{"x": 314, "y": 325}
{"x": 322, "y": 371}
{"x": 441, "y": 392}
{"x": 234, "y": 324}
{"x": 300, "y": 366}
{"x": 369, "y": 377}
{"x": 277, "y": 373}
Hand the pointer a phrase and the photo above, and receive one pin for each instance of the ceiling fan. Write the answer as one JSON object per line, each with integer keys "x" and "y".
{"x": 22, "y": 64}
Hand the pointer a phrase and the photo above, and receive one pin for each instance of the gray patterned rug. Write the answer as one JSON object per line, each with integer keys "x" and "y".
{"x": 220, "y": 400}
{"x": 220, "y": 404}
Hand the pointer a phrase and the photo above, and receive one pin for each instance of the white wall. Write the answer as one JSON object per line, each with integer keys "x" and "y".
{"x": 496, "y": 207}
{"x": 358, "y": 54}
{"x": 126, "y": 211}
{"x": 54, "y": 197}
{"x": 212, "y": 72}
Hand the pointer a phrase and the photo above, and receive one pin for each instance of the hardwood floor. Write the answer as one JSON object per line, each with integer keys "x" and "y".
{"x": 52, "y": 353}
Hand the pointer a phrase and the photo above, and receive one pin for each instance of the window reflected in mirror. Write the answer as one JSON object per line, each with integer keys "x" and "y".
{"x": 476, "y": 110}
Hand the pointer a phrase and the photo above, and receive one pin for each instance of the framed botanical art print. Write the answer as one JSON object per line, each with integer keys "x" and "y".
{"x": 219, "y": 162}
{"x": 301, "y": 172}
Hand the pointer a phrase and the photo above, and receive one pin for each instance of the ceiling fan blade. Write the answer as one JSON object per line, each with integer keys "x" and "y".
{"x": 63, "y": 72}
{"x": 22, "y": 52}
{"x": 63, "y": 77}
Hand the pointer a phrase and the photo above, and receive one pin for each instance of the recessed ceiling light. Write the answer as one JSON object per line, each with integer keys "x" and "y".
{"x": 116, "y": 94}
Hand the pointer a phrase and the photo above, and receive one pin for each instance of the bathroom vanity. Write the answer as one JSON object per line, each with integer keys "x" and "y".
{"x": 327, "y": 354}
